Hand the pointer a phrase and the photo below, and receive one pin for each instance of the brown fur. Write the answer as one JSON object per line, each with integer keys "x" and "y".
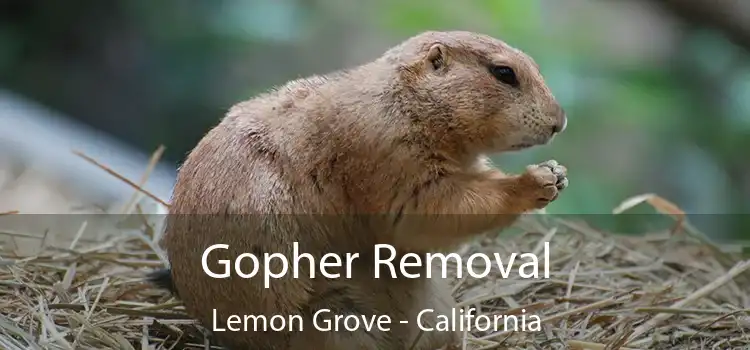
{"x": 393, "y": 152}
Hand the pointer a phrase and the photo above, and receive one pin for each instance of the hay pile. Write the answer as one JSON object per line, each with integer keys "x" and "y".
{"x": 661, "y": 291}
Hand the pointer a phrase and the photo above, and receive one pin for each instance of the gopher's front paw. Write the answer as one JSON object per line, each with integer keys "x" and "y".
{"x": 543, "y": 182}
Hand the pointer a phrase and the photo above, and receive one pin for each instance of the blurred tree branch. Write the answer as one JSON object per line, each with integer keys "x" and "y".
{"x": 731, "y": 17}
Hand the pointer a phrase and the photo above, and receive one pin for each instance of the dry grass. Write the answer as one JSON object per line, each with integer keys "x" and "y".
{"x": 658, "y": 291}
{"x": 669, "y": 290}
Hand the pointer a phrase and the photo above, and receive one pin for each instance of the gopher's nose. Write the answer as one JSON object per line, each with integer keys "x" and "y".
{"x": 562, "y": 123}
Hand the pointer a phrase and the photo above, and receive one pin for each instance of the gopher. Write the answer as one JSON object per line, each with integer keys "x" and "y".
{"x": 394, "y": 151}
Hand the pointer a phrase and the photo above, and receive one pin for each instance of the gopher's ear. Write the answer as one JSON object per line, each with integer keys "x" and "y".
{"x": 436, "y": 57}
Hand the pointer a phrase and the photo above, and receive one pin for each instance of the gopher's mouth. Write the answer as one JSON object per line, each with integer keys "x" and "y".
{"x": 529, "y": 143}
{"x": 520, "y": 146}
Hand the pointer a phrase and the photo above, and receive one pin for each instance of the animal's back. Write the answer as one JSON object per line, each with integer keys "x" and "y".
{"x": 258, "y": 183}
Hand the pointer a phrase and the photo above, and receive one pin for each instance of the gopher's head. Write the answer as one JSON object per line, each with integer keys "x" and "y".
{"x": 477, "y": 91}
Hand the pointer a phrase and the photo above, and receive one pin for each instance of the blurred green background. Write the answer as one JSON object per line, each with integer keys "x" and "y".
{"x": 657, "y": 92}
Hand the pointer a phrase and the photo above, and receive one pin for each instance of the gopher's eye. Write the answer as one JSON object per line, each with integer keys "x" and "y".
{"x": 505, "y": 74}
